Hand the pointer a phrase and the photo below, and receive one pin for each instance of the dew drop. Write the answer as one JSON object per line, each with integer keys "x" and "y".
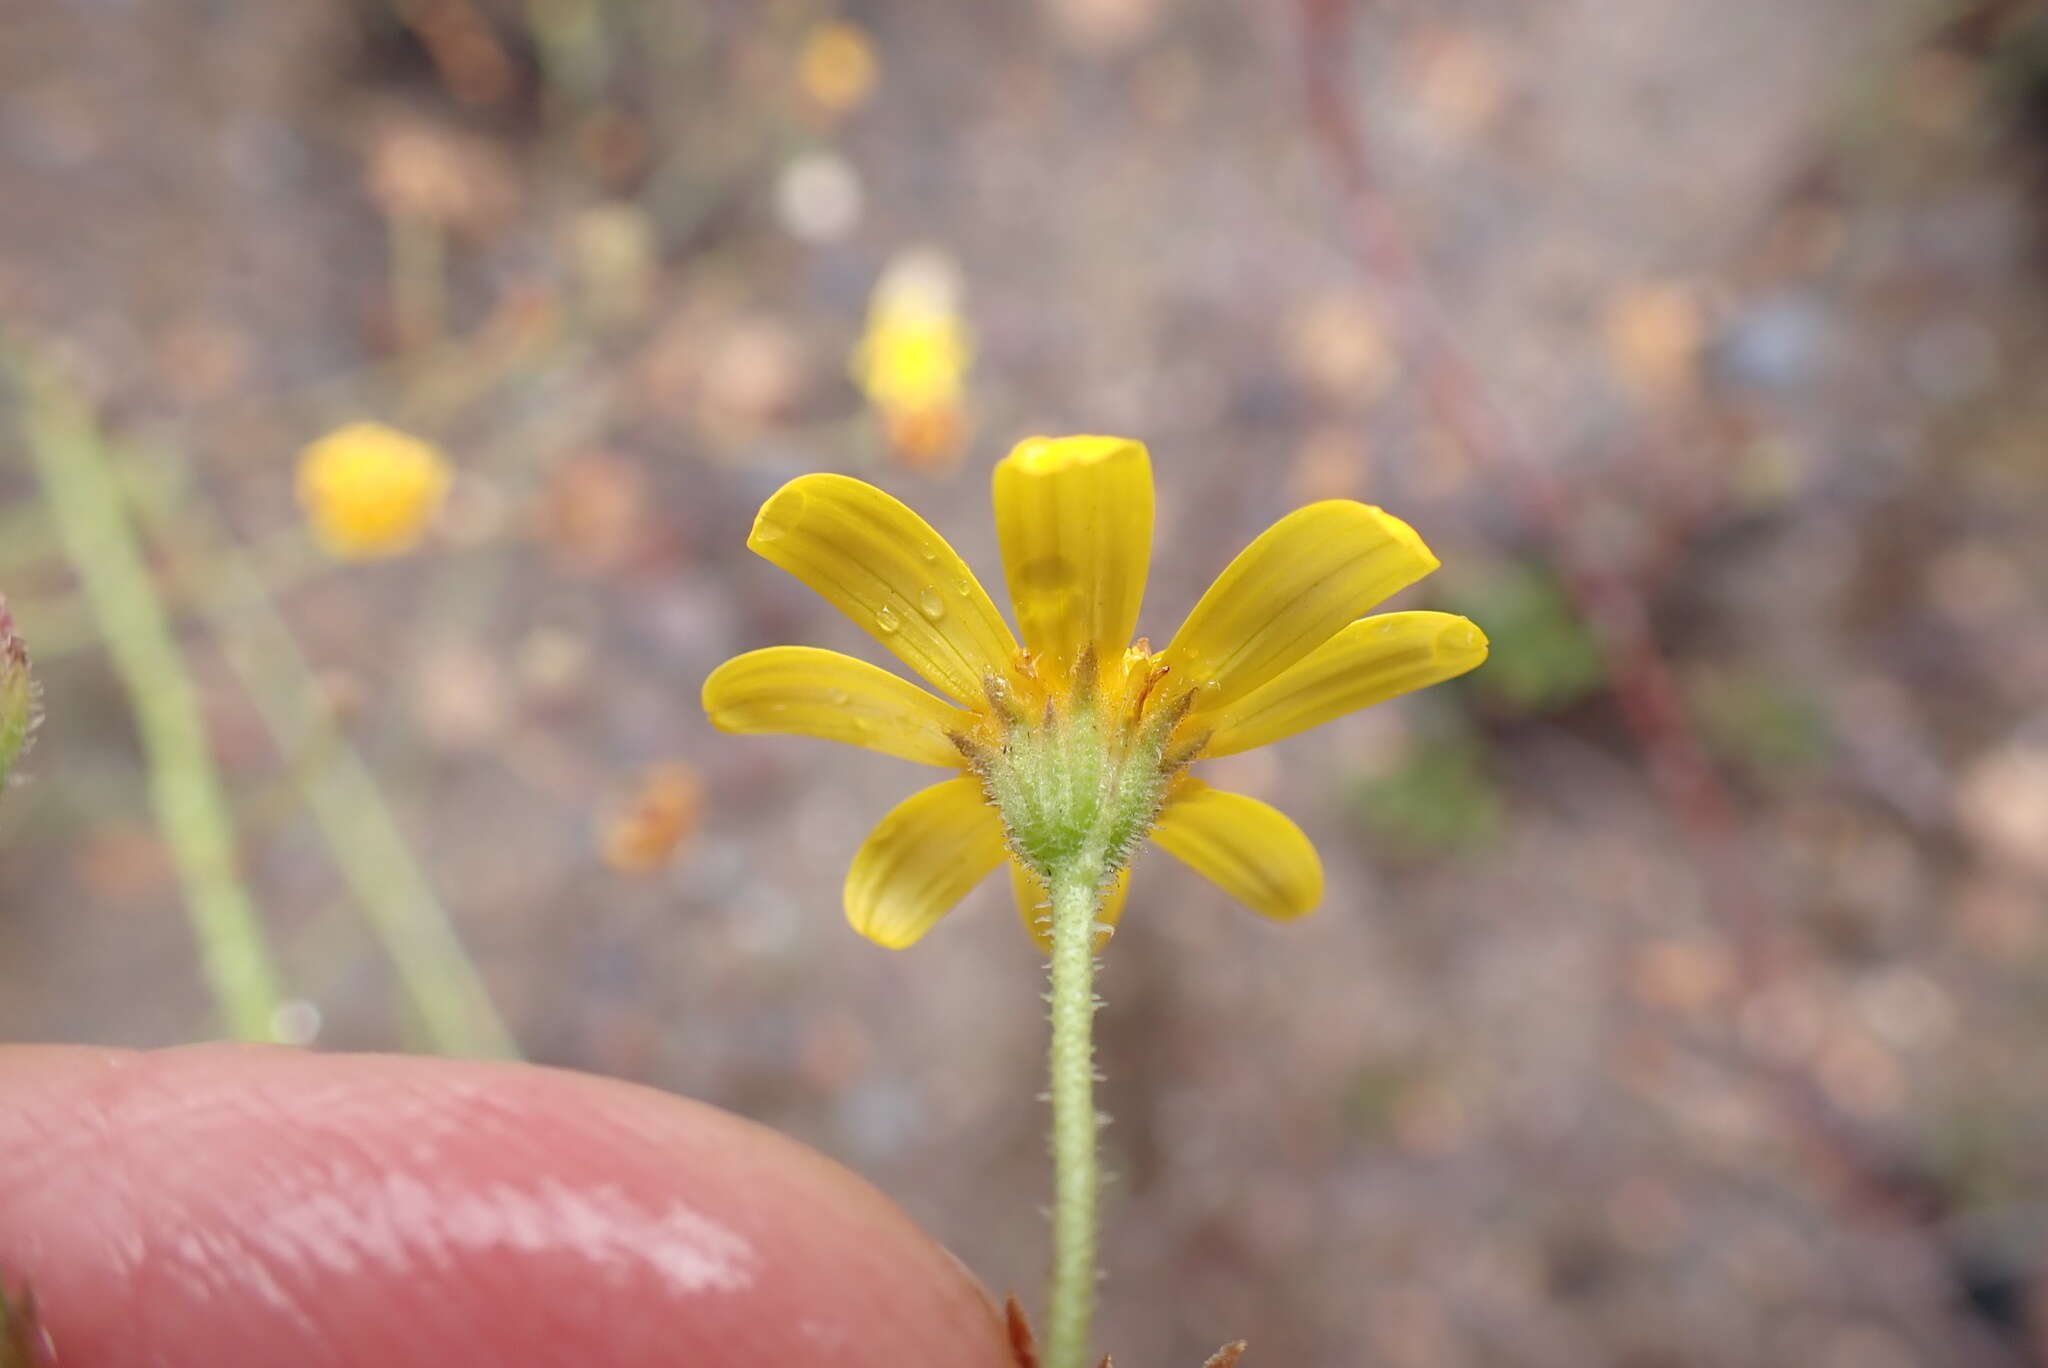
{"x": 886, "y": 619}
{"x": 964, "y": 587}
{"x": 838, "y": 698}
{"x": 931, "y": 605}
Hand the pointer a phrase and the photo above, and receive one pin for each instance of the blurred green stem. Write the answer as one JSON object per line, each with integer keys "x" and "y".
{"x": 349, "y": 808}
{"x": 25, "y": 536}
{"x": 569, "y": 37}
{"x": 86, "y": 506}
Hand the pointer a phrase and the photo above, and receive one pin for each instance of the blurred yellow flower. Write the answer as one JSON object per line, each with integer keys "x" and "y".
{"x": 1073, "y": 749}
{"x": 837, "y": 66}
{"x": 370, "y": 490}
{"x": 912, "y": 361}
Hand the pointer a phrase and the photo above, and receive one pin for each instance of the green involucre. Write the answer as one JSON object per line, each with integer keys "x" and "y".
{"x": 19, "y": 710}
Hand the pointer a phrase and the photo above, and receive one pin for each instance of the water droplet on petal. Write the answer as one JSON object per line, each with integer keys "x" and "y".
{"x": 886, "y": 619}
{"x": 964, "y": 587}
{"x": 838, "y": 698}
{"x": 931, "y": 605}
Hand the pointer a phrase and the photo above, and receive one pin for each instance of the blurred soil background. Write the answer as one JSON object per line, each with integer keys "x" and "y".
{"x": 1679, "y": 996}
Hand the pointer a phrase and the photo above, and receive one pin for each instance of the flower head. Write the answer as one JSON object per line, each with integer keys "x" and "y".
{"x": 1074, "y": 747}
{"x": 20, "y": 710}
{"x": 370, "y": 490}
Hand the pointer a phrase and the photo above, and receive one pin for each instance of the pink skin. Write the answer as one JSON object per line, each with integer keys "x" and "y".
{"x": 221, "y": 1205}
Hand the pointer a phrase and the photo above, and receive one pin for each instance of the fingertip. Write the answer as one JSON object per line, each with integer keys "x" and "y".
{"x": 252, "y": 1204}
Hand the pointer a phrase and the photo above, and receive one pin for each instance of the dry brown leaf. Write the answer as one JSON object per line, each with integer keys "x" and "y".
{"x": 660, "y": 816}
{"x": 1023, "y": 1347}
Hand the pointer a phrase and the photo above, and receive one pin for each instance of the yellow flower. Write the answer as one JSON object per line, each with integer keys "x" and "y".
{"x": 370, "y": 490}
{"x": 912, "y": 361}
{"x": 1079, "y": 740}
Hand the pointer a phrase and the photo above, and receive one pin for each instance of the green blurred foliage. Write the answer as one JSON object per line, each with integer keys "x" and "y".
{"x": 1372, "y": 1099}
{"x": 1440, "y": 798}
{"x": 1543, "y": 657}
{"x": 1774, "y": 733}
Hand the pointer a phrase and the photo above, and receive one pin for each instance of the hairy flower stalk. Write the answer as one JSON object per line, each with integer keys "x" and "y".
{"x": 1071, "y": 750}
{"x": 1079, "y": 769}
{"x": 1077, "y": 1177}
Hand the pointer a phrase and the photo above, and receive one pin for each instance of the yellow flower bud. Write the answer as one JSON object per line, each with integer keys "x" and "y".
{"x": 371, "y": 490}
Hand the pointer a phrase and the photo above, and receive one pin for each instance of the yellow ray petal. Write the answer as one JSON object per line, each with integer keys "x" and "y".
{"x": 1247, "y": 848}
{"x": 922, "y": 859}
{"x": 1075, "y": 518}
{"x": 1288, "y": 592}
{"x": 1034, "y": 908}
{"x": 879, "y": 563}
{"x": 806, "y": 691}
{"x": 1371, "y": 661}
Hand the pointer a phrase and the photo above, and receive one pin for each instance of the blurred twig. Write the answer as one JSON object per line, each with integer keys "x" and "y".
{"x": 86, "y": 506}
